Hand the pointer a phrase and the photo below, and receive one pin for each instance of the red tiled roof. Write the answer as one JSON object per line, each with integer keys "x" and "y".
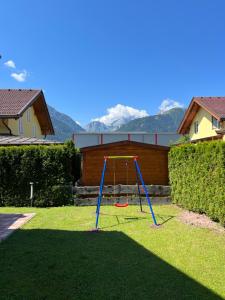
{"x": 14, "y": 102}
{"x": 214, "y": 105}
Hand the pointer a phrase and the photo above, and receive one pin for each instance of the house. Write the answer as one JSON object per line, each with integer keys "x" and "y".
{"x": 24, "y": 113}
{"x": 153, "y": 161}
{"x": 204, "y": 119}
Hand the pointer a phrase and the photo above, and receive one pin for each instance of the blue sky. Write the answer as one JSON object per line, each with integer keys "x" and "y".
{"x": 89, "y": 55}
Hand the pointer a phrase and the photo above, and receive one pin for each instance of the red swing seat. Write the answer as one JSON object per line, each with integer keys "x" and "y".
{"x": 118, "y": 204}
{"x": 121, "y": 204}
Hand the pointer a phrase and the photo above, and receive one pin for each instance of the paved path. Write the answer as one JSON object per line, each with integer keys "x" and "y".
{"x": 11, "y": 222}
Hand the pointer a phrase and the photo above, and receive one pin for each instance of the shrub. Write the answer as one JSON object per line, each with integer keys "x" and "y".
{"x": 197, "y": 178}
{"x": 52, "y": 169}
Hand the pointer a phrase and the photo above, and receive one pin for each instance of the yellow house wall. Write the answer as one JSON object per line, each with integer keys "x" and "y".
{"x": 3, "y": 129}
{"x": 204, "y": 125}
{"x": 27, "y": 125}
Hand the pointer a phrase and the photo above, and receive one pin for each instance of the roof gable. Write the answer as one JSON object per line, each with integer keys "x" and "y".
{"x": 13, "y": 103}
{"x": 213, "y": 105}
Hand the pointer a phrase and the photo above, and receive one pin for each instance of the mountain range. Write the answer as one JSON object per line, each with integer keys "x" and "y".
{"x": 64, "y": 125}
{"x": 167, "y": 121}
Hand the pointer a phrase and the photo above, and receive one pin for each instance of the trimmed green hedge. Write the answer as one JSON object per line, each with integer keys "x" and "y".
{"x": 197, "y": 178}
{"x": 52, "y": 169}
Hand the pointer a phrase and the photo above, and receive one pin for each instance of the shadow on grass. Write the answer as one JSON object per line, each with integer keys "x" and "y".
{"x": 161, "y": 219}
{"x": 125, "y": 219}
{"x": 57, "y": 264}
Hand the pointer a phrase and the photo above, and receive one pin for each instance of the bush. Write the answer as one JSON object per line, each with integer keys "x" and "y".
{"x": 52, "y": 169}
{"x": 197, "y": 178}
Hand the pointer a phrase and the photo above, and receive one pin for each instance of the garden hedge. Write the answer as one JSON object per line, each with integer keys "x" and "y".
{"x": 52, "y": 169}
{"x": 197, "y": 178}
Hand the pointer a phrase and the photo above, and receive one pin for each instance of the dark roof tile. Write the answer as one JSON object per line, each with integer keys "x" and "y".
{"x": 13, "y": 102}
{"x": 215, "y": 105}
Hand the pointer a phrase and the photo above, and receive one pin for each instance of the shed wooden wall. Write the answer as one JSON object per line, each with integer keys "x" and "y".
{"x": 152, "y": 161}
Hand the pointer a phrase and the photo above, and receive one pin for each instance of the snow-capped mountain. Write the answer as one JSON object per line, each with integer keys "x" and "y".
{"x": 97, "y": 126}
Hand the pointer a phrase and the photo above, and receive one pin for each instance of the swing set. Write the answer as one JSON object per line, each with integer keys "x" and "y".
{"x": 118, "y": 204}
{"x": 138, "y": 178}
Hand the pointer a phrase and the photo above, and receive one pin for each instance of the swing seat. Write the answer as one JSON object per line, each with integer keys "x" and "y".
{"x": 121, "y": 204}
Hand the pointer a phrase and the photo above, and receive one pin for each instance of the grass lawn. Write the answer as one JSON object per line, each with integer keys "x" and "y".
{"x": 54, "y": 256}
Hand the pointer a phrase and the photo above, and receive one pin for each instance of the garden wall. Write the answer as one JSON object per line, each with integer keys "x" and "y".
{"x": 197, "y": 178}
{"x": 52, "y": 169}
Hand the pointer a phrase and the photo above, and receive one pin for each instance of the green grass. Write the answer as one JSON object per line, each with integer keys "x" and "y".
{"x": 54, "y": 256}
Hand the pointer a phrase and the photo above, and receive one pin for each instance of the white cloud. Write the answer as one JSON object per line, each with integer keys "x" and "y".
{"x": 21, "y": 77}
{"x": 10, "y": 64}
{"x": 121, "y": 113}
{"x": 168, "y": 104}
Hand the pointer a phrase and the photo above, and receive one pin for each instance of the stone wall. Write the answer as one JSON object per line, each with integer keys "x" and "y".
{"x": 153, "y": 190}
{"x": 112, "y": 200}
{"x": 87, "y": 195}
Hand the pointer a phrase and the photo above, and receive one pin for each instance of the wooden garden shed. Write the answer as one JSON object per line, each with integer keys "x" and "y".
{"x": 152, "y": 159}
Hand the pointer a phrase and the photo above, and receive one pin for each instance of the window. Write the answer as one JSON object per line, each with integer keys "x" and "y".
{"x": 196, "y": 126}
{"x": 28, "y": 115}
{"x": 215, "y": 123}
{"x": 34, "y": 130}
{"x": 20, "y": 126}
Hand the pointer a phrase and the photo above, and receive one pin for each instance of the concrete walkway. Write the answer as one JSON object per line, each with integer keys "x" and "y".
{"x": 11, "y": 222}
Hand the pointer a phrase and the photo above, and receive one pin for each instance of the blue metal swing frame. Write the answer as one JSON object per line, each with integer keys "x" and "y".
{"x": 138, "y": 174}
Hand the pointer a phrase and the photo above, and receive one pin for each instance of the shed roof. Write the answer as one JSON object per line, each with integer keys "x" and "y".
{"x": 213, "y": 105}
{"x": 13, "y": 103}
{"x": 124, "y": 143}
